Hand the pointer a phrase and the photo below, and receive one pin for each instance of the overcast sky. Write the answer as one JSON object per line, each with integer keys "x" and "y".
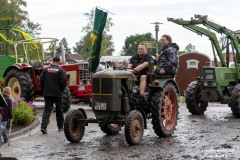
{"x": 64, "y": 18}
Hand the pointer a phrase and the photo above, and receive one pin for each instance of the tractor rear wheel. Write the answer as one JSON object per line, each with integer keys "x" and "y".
{"x": 194, "y": 105}
{"x": 74, "y": 129}
{"x": 66, "y": 99}
{"x": 21, "y": 84}
{"x": 165, "y": 110}
{"x": 111, "y": 129}
{"x": 235, "y": 102}
{"x": 134, "y": 127}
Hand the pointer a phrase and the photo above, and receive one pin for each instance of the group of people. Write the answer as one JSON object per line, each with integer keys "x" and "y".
{"x": 123, "y": 67}
{"x": 54, "y": 79}
{"x": 166, "y": 61}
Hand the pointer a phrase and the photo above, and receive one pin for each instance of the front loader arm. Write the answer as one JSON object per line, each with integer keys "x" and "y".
{"x": 192, "y": 26}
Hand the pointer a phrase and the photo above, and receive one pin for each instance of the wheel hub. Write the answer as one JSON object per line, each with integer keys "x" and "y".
{"x": 167, "y": 108}
{"x": 136, "y": 129}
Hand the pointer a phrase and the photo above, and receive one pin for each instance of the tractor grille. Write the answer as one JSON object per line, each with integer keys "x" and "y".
{"x": 106, "y": 85}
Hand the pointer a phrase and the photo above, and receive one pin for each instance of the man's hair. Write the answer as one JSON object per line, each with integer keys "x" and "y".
{"x": 168, "y": 37}
{"x": 7, "y": 90}
{"x": 56, "y": 59}
{"x": 141, "y": 43}
{"x": 125, "y": 61}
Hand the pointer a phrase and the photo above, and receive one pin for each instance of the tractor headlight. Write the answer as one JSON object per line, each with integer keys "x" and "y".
{"x": 214, "y": 84}
{"x": 205, "y": 83}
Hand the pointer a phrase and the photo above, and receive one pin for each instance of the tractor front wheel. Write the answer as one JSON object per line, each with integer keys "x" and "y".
{"x": 194, "y": 104}
{"x": 73, "y": 128}
{"x": 235, "y": 102}
{"x": 21, "y": 84}
{"x": 134, "y": 127}
{"x": 165, "y": 110}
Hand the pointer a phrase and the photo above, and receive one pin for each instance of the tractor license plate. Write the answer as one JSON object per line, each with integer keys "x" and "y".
{"x": 100, "y": 106}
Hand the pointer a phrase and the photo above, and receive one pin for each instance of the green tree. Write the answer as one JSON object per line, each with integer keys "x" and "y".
{"x": 65, "y": 45}
{"x": 15, "y": 9}
{"x": 83, "y": 46}
{"x": 131, "y": 44}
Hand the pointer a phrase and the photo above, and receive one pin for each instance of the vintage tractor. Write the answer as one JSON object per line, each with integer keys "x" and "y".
{"x": 24, "y": 78}
{"x": 116, "y": 103}
{"x": 216, "y": 84}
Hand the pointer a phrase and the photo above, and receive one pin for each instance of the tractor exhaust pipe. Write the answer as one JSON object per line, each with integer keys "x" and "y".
{"x": 63, "y": 54}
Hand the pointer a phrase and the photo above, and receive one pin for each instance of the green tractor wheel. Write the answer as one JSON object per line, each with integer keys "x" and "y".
{"x": 20, "y": 83}
{"x": 134, "y": 127}
{"x": 111, "y": 129}
{"x": 235, "y": 102}
{"x": 165, "y": 110}
{"x": 194, "y": 105}
{"x": 73, "y": 129}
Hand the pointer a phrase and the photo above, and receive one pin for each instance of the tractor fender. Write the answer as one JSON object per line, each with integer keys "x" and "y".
{"x": 162, "y": 82}
{"x": 17, "y": 67}
{"x": 83, "y": 112}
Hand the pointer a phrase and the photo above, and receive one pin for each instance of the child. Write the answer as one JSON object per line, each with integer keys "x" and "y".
{"x": 6, "y": 112}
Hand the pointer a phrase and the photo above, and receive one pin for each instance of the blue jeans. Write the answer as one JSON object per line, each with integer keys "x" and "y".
{"x": 4, "y": 132}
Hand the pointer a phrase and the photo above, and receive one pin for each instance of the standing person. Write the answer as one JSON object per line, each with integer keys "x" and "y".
{"x": 6, "y": 112}
{"x": 53, "y": 81}
{"x": 167, "y": 61}
{"x": 139, "y": 64}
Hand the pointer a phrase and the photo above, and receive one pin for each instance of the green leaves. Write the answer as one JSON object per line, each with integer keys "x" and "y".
{"x": 23, "y": 114}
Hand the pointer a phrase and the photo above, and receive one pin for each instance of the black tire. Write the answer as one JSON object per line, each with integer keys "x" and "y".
{"x": 134, "y": 127}
{"x": 194, "y": 105}
{"x": 111, "y": 129}
{"x": 23, "y": 79}
{"x": 73, "y": 129}
{"x": 235, "y": 102}
{"x": 66, "y": 99}
{"x": 165, "y": 110}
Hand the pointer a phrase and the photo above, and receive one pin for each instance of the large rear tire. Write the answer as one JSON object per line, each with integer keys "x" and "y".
{"x": 235, "y": 101}
{"x": 194, "y": 104}
{"x": 111, "y": 129}
{"x": 21, "y": 84}
{"x": 165, "y": 110}
{"x": 134, "y": 127}
{"x": 74, "y": 129}
{"x": 66, "y": 99}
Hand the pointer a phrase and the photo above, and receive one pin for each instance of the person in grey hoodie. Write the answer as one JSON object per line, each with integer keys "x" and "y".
{"x": 167, "y": 60}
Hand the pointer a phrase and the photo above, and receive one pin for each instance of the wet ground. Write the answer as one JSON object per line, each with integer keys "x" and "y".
{"x": 215, "y": 135}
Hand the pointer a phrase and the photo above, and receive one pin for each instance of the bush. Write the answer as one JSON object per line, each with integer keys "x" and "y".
{"x": 23, "y": 112}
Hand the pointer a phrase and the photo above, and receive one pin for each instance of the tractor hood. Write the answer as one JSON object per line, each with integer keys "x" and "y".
{"x": 107, "y": 73}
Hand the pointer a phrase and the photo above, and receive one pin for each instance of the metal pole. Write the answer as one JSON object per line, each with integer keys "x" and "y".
{"x": 156, "y": 30}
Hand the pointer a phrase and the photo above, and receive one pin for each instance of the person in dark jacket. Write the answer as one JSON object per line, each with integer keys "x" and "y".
{"x": 167, "y": 60}
{"x": 6, "y": 112}
{"x": 53, "y": 81}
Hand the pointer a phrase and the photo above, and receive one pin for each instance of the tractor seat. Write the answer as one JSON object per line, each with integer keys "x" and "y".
{"x": 35, "y": 64}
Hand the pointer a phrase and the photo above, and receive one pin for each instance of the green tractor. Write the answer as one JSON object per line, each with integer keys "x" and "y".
{"x": 216, "y": 83}
{"x": 116, "y": 103}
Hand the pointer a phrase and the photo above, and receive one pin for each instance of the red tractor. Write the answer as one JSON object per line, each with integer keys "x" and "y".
{"x": 24, "y": 78}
